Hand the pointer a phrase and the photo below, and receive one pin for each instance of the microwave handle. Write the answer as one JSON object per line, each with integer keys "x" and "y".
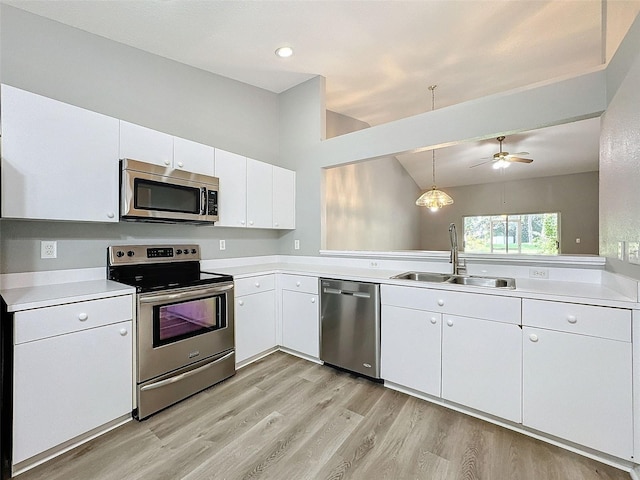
{"x": 203, "y": 200}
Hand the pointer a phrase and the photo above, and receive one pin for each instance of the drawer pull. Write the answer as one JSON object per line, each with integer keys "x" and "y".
{"x": 572, "y": 319}
{"x": 297, "y": 284}
{"x": 83, "y": 316}
{"x": 533, "y": 337}
{"x": 240, "y": 302}
{"x": 313, "y": 299}
{"x": 123, "y": 332}
{"x": 257, "y": 284}
{"x": 450, "y": 322}
{"x": 441, "y": 302}
{"x": 434, "y": 320}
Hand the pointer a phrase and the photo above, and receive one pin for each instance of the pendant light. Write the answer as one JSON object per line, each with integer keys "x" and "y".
{"x": 434, "y": 199}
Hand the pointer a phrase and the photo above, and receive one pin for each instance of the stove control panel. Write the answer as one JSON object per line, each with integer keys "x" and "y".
{"x": 140, "y": 254}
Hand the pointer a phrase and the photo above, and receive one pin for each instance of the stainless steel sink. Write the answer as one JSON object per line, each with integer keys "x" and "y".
{"x": 477, "y": 281}
{"x": 492, "y": 282}
{"x": 424, "y": 276}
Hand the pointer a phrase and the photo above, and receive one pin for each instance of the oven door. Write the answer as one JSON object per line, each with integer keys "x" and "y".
{"x": 181, "y": 327}
{"x": 151, "y": 197}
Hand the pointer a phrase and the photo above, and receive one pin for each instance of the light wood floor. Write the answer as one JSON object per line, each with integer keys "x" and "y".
{"x": 288, "y": 419}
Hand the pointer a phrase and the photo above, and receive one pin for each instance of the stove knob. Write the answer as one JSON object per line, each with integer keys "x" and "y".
{"x": 194, "y": 251}
{"x": 186, "y": 251}
{"x": 119, "y": 253}
{"x": 178, "y": 252}
{"x": 130, "y": 253}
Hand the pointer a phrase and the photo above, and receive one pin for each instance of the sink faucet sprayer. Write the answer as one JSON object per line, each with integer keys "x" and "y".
{"x": 459, "y": 268}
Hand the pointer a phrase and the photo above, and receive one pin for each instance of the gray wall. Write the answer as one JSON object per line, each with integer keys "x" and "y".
{"x": 89, "y": 71}
{"x": 574, "y": 196}
{"x": 620, "y": 155}
{"x": 369, "y": 207}
{"x": 366, "y": 202}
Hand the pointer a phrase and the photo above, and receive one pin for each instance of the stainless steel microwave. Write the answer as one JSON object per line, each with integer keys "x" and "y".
{"x": 153, "y": 193}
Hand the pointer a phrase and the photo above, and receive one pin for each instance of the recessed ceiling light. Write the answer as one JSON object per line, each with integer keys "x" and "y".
{"x": 284, "y": 52}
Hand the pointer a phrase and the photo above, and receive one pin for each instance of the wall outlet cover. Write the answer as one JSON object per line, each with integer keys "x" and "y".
{"x": 48, "y": 249}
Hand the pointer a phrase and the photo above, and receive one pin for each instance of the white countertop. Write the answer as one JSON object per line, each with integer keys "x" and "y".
{"x": 576, "y": 292}
{"x": 26, "y": 298}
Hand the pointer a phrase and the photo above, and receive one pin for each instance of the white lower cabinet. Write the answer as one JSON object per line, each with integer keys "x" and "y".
{"x": 300, "y": 314}
{"x": 481, "y": 365}
{"x": 255, "y": 316}
{"x": 411, "y": 348}
{"x": 67, "y": 385}
{"x": 577, "y": 384}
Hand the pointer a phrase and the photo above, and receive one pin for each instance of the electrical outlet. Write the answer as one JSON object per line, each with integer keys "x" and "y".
{"x": 538, "y": 273}
{"x": 48, "y": 249}
{"x": 296, "y": 244}
{"x": 223, "y": 245}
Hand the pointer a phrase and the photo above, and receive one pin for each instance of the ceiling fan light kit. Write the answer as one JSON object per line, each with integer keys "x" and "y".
{"x": 502, "y": 160}
{"x": 433, "y": 199}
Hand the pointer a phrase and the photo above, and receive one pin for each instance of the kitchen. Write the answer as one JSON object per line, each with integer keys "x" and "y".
{"x": 82, "y": 246}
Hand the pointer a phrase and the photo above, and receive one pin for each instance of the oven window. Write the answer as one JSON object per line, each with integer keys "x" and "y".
{"x": 166, "y": 197}
{"x": 177, "y": 321}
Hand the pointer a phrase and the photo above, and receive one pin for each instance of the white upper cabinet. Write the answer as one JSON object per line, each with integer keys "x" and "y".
{"x": 145, "y": 144}
{"x": 259, "y": 194}
{"x": 284, "y": 198}
{"x": 231, "y": 169}
{"x": 193, "y": 156}
{"x": 254, "y": 194}
{"x": 151, "y": 146}
{"x": 59, "y": 162}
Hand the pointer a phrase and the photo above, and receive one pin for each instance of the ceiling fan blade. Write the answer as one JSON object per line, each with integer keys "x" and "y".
{"x": 518, "y": 159}
{"x": 482, "y": 163}
{"x": 518, "y": 154}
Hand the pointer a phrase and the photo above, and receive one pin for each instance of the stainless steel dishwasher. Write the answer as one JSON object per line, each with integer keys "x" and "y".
{"x": 350, "y": 325}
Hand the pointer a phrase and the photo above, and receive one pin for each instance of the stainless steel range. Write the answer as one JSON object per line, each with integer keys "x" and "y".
{"x": 185, "y": 328}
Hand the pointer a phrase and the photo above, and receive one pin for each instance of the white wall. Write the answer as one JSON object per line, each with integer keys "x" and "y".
{"x": 620, "y": 155}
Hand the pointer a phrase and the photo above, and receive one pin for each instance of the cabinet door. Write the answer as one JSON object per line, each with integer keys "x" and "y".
{"x": 231, "y": 169}
{"x": 67, "y": 385}
{"x": 578, "y": 387}
{"x": 259, "y": 194}
{"x": 410, "y": 351}
{"x": 193, "y": 157}
{"x": 255, "y": 326}
{"x": 301, "y": 323}
{"x": 481, "y": 365}
{"x": 284, "y": 198}
{"x": 59, "y": 162}
{"x": 145, "y": 144}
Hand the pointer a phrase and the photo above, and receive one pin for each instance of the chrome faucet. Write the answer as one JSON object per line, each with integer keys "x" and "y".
{"x": 459, "y": 268}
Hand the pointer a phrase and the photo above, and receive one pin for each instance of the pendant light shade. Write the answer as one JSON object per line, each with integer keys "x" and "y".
{"x": 433, "y": 199}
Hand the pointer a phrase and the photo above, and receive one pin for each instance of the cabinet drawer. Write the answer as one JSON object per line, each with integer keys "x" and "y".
{"x": 247, "y": 286}
{"x": 51, "y": 321}
{"x": 603, "y": 322}
{"x": 476, "y": 305}
{"x": 299, "y": 283}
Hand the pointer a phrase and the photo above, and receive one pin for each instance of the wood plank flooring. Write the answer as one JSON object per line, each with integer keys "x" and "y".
{"x": 285, "y": 418}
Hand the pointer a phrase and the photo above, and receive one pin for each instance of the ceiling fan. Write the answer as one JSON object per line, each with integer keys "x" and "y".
{"x": 504, "y": 159}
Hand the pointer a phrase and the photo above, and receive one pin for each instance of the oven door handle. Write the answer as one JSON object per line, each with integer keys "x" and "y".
{"x": 169, "y": 297}
{"x": 182, "y": 376}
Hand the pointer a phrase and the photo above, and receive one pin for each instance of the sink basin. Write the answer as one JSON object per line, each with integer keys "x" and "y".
{"x": 424, "y": 276}
{"x": 491, "y": 282}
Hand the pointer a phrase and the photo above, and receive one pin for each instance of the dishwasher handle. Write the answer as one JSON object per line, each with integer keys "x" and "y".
{"x": 335, "y": 291}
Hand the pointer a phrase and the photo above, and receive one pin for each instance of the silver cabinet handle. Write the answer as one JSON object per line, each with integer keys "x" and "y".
{"x": 184, "y": 375}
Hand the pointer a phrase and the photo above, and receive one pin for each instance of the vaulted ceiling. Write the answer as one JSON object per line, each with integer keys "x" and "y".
{"x": 378, "y": 57}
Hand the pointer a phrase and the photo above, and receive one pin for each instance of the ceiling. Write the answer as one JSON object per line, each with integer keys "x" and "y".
{"x": 378, "y": 57}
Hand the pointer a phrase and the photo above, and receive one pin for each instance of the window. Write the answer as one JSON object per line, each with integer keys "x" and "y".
{"x": 527, "y": 234}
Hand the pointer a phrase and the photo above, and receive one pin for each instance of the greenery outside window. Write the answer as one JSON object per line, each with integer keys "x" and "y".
{"x": 526, "y": 234}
